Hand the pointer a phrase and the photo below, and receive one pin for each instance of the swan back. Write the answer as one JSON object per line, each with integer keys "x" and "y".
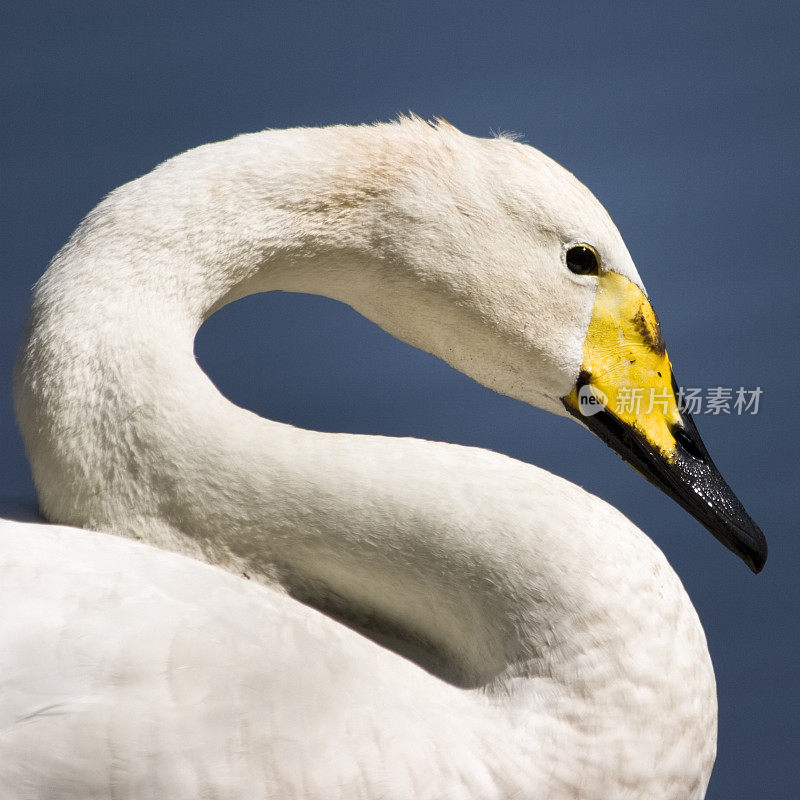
{"x": 149, "y": 672}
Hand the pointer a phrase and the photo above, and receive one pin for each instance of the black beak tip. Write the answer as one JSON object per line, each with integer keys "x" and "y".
{"x": 756, "y": 564}
{"x": 755, "y": 554}
{"x": 690, "y": 478}
{"x": 704, "y": 493}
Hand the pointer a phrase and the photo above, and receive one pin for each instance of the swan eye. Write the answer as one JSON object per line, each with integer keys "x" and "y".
{"x": 583, "y": 260}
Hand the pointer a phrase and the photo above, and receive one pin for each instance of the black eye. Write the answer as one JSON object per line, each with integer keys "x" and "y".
{"x": 583, "y": 260}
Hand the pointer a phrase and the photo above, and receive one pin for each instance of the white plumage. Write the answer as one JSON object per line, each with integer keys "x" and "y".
{"x": 508, "y": 635}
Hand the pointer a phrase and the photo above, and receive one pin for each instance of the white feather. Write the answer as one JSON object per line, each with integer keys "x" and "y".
{"x": 509, "y": 635}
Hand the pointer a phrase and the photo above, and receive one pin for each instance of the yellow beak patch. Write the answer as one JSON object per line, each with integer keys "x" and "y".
{"x": 625, "y": 364}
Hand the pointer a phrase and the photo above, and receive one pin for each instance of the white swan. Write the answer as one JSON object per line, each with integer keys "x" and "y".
{"x": 523, "y": 639}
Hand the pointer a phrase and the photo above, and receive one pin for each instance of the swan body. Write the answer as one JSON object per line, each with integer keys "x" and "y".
{"x": 132, "y": 672}
{"x": 487, "y": 629}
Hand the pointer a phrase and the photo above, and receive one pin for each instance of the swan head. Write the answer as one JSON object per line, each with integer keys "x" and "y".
{"x": 533, "y": 292}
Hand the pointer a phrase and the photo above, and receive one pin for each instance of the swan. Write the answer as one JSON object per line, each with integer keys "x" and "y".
{"x": 488, "y": 630}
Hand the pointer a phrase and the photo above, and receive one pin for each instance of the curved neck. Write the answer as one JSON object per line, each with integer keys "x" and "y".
{"x": 480, "y": 568}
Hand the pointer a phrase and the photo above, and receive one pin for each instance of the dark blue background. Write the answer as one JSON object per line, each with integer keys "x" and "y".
{"x": 682, "y": 119}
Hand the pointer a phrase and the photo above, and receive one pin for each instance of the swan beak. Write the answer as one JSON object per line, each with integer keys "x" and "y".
{"x": 627, "y": 395}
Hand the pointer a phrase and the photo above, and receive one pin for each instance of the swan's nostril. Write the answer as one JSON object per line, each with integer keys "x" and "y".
{"x": 687, "y": 443}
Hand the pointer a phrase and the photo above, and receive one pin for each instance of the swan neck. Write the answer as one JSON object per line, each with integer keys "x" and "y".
{"x": 479, "y": 568}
